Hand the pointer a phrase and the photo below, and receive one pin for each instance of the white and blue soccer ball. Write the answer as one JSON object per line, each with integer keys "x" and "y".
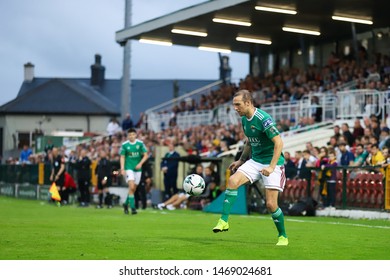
{"x": 194, "y": 185}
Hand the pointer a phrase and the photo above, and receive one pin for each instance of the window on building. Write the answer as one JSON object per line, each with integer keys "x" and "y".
{"x": 24, "y": 138}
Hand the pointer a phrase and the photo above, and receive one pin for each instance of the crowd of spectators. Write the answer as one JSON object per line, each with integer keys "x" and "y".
{"x": 293, "y": 84}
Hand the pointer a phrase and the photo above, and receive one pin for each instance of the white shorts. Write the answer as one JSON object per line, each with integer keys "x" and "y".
{"x": 276, "y": 180}
{"x": 182, "y": 194}
{"x": 133, "y": 176}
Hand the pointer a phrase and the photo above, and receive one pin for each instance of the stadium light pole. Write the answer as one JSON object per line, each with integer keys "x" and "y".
{"x": 126, "y": 75}
{"x": 355, "y": 43}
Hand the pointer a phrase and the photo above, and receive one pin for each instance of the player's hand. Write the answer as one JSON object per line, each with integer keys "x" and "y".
{"x": 138, "y": 166}
{"x": 123, "y": 172}
{"x": 267, "y": 171}
{"x": 235, "y": 165}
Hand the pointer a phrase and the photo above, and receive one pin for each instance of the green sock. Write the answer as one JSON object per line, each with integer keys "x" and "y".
{"x": 230, "y": 198}
{"x": 130, "y": 198}
{"x": 127, "y": 200}
{"x": 278, "y": 218}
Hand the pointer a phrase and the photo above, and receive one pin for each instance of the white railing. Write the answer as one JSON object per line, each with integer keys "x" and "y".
{"x": 326, "y": 101}
{"x": 158, "y": 117}
{"x": 360, "y": 103}
{"x": 283, "y": 111}
{"x": 348, "y": 104}
{"x": 206, "y": 90}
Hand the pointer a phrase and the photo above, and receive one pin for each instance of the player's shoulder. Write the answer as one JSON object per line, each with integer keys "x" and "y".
{"x": 127, "y": 142}
{"x": 261, "y": 115}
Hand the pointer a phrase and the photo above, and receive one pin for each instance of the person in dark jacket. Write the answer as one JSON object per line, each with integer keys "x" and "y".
{"x": 169, "y": 167}
{"x": 83, "y": 167}
{"x": 57, "y": 174}
{"x": 103, "y": 173}
{"x": 141, "y": 191}
{"x": 289, "y": 165}
{"x": 331, "y": 179}
{"x": 127, "y": 123}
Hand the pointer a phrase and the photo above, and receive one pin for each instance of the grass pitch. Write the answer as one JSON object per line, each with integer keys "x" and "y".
{"x": 37, "y": 230}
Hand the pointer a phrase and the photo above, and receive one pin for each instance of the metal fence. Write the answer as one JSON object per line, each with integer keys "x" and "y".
{"x": 349, "y": 104}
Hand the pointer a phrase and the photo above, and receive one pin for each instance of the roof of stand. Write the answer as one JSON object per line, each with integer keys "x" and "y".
{"x": 310, "y": 15}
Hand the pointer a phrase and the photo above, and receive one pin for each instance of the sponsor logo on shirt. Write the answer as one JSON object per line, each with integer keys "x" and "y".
{"x": 267, "y": 123}
{"x": 253, "y": 128}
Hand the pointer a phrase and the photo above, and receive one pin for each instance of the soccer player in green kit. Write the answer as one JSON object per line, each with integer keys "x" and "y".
{"x": 264, "y": 147}
{"x": 133, "y": 155}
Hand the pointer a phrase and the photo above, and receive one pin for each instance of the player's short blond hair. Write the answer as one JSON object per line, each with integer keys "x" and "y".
{"x": 245, "y": 94}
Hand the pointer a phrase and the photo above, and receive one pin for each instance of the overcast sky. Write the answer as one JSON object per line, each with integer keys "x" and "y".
{"x": 61, "y": 38}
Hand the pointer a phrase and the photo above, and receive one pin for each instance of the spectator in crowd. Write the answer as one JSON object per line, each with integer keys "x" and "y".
{"x": 376, "y": 157}
{"x": 320, "y": 183}
{"x": 213, "y": 185}
{"x": 386, "y": 155}
{"x": 57, "y": 174}
{"x": 214, "y": 150}
{"x": 169, "y": 167}
{"x": 25, "y": 155}
{"x": 384, "y": 138}
{"x": 103, "y": 173}
{"x": 113, "y": 127}
{"x": 198, "y": 169}
{"x": 373, "y": 140}
{"x": 337, "y": 132}
{"x": 316, "y": 109}
{"x": 49, "y": 146}
{"x": 289, "y": 165}
{"x": 301, "y": 165}
{"x": 360, "y": 156}
{"x": 228, "y": 138}
{"x": 127, "y": 123}
{"x": 346, "y": 157}
{"x": 347, "y": 134}
{"x": 375, "y": 128}
{"x": 141, "y": 191}
{"x": 331, "y": 178}
{"x": 358, "y": 129}
{"x": 83, "y": 169}
{"x": 69, "y": 188}
{"x": 310, "y": 158}
{"x": 141, "y": 121}
{"x": 310, "y": 148}
{"x": 333, "y": 142}
{"x": 316, "y": 152}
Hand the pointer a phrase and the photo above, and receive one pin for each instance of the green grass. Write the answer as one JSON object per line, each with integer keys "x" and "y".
{"x": 37, "y": 230}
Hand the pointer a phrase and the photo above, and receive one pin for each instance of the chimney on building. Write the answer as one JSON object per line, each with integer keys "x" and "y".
{"x": 97, "y": 71}
{"x": 28, "y": 72}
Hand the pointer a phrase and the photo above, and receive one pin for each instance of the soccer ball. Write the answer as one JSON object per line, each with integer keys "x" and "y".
{"x": 194, "y": 185}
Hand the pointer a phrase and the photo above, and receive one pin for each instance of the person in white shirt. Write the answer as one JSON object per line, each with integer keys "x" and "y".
{"x": 113, "y": 127}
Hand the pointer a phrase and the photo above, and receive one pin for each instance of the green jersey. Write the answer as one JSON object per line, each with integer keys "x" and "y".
{"x": 259, "y": 130}
{"x": 133, "y": 153}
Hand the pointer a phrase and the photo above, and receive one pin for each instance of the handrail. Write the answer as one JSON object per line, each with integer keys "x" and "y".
{"x": 172, "y": 101}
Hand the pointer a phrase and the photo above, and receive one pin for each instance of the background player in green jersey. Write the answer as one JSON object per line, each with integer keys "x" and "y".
{"x": 133, "y": 155}
{"x": 264, "y": 148}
